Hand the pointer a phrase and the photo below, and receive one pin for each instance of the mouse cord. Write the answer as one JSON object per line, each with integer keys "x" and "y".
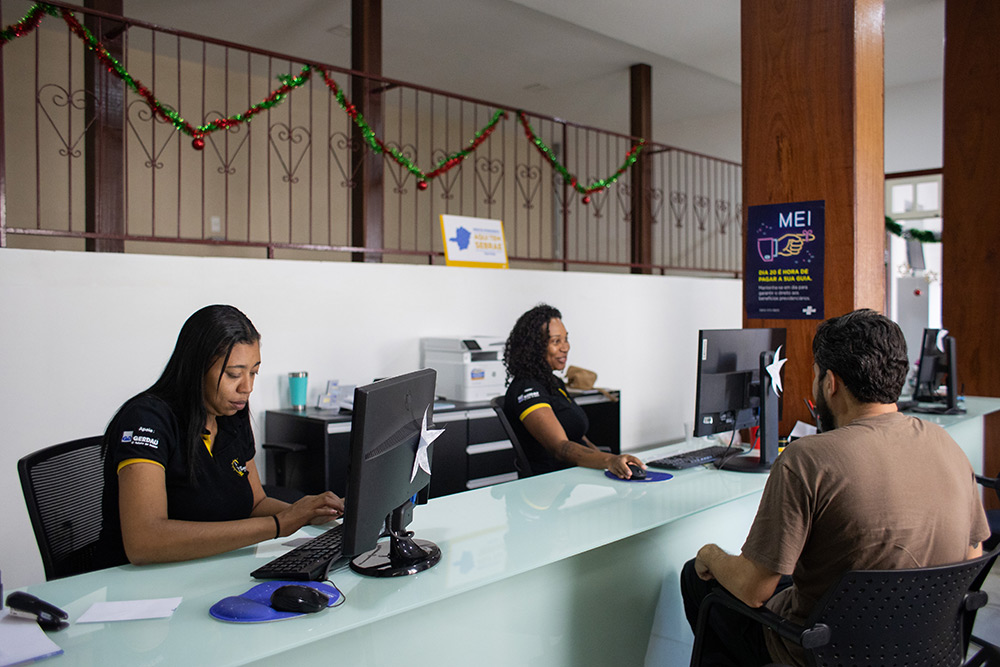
{"x": 342, "y": 597}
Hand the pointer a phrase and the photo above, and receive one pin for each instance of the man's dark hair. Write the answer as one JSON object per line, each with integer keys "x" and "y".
{"x": 524, "y": 351}
{"x": 867, "y": 351}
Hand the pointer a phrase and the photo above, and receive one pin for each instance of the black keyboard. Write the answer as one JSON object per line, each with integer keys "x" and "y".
{"x": 307, "y": 562}
{"x": 694, "y": 458}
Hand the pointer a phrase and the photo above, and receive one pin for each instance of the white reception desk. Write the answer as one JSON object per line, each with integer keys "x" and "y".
{"x": 570, "y": 568}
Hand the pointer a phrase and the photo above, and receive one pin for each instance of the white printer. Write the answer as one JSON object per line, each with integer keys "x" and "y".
{"x": 468, "y": 369}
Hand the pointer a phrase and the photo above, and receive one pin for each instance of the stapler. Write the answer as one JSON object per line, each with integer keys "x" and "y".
{"x": 25, "y": 605}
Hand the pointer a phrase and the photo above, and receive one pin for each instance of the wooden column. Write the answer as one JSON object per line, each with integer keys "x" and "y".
{"x": 105, "y": 142}
{"x": 971, "y": 229}
{"x": 812, "y": 86}
{"x": 641, "y": 125}
{"x": 366, "y": 197}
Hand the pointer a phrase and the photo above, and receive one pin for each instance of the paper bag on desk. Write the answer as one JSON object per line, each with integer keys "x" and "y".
{"x": 581, "y": 378}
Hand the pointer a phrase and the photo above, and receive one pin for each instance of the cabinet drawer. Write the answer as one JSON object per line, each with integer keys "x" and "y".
{"x": 490, "y": 459}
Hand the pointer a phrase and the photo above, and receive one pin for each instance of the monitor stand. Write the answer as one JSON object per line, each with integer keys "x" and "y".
{"x": 768, "y": 422}
{"x": 937, "y": 410}
{"x": 401, "y": 555}
{"x": 743, "y": 464}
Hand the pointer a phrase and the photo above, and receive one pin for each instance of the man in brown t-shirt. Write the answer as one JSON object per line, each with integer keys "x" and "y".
{"x": 876, "y": 489}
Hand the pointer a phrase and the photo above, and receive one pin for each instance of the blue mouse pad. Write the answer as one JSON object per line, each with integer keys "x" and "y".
{"x": 254, "y": 606}
{"x": 651, "y": 476}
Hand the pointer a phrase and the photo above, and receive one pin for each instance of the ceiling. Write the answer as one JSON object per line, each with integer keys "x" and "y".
{"x": 566, "y": 59}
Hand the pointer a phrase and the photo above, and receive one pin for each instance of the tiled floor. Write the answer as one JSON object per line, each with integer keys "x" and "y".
{"x": 988, "y": 619}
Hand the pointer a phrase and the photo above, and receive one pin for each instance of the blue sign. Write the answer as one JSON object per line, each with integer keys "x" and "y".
{"x": 784, "y": 266}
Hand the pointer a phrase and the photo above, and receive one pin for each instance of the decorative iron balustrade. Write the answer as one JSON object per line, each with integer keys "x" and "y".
{"x": 280, "y": 180}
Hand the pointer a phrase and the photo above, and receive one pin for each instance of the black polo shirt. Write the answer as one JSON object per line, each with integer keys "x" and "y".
{"x": 526, "y": 395}
{"x": 146, "y": 429}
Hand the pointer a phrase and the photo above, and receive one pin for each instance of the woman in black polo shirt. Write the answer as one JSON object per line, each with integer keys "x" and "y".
{"x": 180, "y": 480}
{"x": 552, "y": 428}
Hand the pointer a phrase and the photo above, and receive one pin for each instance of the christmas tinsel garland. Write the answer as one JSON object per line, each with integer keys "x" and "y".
{"x": 289, "y": 83}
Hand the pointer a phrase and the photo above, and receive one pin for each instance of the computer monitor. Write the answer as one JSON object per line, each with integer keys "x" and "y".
{"x": 736, "y": 391}
{"x": 936, "y": 369}
{"x": 381, "y": 487}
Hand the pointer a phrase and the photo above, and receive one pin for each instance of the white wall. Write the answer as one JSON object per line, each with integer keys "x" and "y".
{"x": 914, "y": 126}
{"x": 82, "y": 332}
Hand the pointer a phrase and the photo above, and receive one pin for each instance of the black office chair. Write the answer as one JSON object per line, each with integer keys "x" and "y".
{"x": 993, "y": 516}
{"x": 521, "y": 463}
{"x": 912, "y": 617}
{"x": 62, "y": 487}
{"x": 286, "y": 475}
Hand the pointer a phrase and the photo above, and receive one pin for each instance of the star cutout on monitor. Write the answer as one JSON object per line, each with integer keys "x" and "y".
{"x": 774, "y": 370}
{"x": 420, "y": 461}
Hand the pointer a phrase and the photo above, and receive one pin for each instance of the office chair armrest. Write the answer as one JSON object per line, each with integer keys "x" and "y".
{"x": 975, "y": 600}
{"x": 284, "y": 447}
{"x": 805, "y": 636}
{"x": 989, "y": 482}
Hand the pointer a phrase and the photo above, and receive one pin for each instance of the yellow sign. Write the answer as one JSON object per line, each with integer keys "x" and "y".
{"x": 475, "y": 242}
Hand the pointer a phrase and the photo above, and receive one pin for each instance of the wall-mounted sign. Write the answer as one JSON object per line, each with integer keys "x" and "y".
{"x": 784, "y": 267}
{"x": 473, "y": 242}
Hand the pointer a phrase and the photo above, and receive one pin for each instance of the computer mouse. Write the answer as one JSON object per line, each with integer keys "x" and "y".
{"x": 299, "y": 599}
{"x": 637, "y": 471}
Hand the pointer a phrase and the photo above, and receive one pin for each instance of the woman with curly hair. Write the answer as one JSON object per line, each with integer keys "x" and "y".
{"x": 549, "y": 425}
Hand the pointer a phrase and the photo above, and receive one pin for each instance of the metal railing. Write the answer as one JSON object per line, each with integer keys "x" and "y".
{"x": 284, "y": 183}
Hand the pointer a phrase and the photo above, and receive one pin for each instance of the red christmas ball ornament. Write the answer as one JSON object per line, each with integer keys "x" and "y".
{"x": 586, "y": 200}
{"x": 421, "y": 185}
{"x": 198, "y": 143}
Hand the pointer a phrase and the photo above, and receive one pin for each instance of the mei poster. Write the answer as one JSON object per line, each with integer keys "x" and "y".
{"x": 785, "y": 261}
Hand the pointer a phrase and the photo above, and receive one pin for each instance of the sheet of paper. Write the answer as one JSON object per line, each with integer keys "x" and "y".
{"x": 801, "y": 430}
{"x": 22, "y": 640}
{"x": 129, "y": 610}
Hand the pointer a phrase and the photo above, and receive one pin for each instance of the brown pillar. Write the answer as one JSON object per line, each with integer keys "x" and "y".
{"x": 641, "y": 125}
{"x": 971, "y": 230}
{"x": 366, "y": 197}
{"x": 812, "y": 130}
{"x": 105, "y": 142}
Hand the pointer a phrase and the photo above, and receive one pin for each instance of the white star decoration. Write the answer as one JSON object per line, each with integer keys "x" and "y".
{"x": 426, "y": 438}
{"x": 774, "y": 370}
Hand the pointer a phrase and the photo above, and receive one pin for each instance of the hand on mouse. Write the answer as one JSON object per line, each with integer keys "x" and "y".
{"x": 619, "y": 465}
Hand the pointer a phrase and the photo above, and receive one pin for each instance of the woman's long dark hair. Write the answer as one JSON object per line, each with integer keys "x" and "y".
{"x": 207, "y": 335}
{"x": 524, "y": 351}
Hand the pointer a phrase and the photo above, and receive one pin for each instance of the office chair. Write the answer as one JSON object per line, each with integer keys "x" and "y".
{"x": 62, "y": 487}
{"x": 993, "y": 516}
{"x": 912, "y": 617}
{"x": 521, "y": 463}
{"x": 286, "y": 475}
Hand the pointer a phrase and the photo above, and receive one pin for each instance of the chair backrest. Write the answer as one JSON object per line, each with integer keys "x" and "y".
{"x": 910, "y": 617}
{"x": 521, "y": 463}
{"x": 62, "y": 487}
{"x": 992, "y": 515}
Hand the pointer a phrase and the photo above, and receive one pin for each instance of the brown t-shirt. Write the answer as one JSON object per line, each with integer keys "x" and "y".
{"x": 883, "y": 492}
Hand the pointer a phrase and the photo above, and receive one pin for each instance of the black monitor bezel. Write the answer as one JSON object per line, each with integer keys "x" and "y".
{"x": 752, "y": 351}
{"x": 387, "y": 419}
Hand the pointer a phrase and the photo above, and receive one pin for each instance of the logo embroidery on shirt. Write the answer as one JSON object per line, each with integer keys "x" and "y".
{"x": 527, "y": 395}
{"x": 127, "y": 436}
{"x": 240, "y": 469}
{"x": 145, "y": 441}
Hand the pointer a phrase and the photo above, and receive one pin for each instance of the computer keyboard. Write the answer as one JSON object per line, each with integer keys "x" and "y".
{"x": 693, "y": 458}
{"x": 307, "y": 562}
